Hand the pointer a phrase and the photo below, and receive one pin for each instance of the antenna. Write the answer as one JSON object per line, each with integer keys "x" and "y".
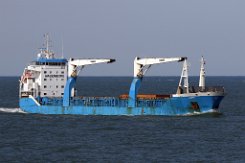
{"x": 46, "y": 43}
{"x": 49, "y": 54}
{"x": 62, "y": 46}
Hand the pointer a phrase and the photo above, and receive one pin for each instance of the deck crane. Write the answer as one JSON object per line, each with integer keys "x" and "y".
{"x": 74, "y": 67}
{"x": 141, "y": 66}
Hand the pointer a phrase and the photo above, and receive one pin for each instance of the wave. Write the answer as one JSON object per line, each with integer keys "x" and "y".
{"x": 209, "y": 112}
{"x": 11, "y": 110}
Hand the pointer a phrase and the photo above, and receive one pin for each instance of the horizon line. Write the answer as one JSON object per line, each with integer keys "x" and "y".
{"x": 145, "y": 76}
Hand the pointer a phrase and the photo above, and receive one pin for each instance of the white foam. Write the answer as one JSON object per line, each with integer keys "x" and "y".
{"x": 211, "y": 111}
{"x": 11, "y": 110}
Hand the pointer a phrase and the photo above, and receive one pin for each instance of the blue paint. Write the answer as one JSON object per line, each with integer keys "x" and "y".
{"x": 56, "y": 60}
{"x": 116, "y": 106}
{"x": 67, "y": 92}
{"x": 134, "y": 88}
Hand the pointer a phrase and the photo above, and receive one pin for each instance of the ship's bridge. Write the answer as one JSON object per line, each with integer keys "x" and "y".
{"x": 50, "y": 62}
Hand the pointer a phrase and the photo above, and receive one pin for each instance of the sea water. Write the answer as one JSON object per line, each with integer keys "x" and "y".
{"x": 75, "y": 138}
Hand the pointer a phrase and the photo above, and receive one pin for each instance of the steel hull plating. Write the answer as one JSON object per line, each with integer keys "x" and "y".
{"x": 172, "y": 106}
{"x": 40, "y": 93}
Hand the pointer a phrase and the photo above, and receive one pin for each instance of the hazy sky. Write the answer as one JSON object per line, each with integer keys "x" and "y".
{"x": 123, "y": 29}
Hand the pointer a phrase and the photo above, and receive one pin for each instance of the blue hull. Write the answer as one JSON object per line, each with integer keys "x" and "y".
{"x": 172, "y": 106}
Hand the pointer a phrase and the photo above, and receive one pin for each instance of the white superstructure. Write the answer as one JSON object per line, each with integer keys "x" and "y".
{"x": 46, "y": 76}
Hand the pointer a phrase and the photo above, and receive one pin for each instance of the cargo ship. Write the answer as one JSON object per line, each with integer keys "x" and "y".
{"x": 47, "y": 87}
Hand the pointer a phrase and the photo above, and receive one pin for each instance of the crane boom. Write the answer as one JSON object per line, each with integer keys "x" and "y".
{"x": 74, "y": 65}
{"x": 141, "y": 63}
{"x": 148, "y": 61}
{"x": 83, "y": 62}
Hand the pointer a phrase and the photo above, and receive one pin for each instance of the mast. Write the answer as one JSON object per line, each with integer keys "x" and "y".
{"x": 47, "y": 41}
{"x": 184, "y": 79}
{"x": 202, "y": 74}
{"x": 47, "y": 52}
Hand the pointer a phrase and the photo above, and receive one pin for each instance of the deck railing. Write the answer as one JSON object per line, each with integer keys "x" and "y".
{"x": 121, "y": 101}
{"x": 206, "y": 89}
{"x": 102, "y": 101}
